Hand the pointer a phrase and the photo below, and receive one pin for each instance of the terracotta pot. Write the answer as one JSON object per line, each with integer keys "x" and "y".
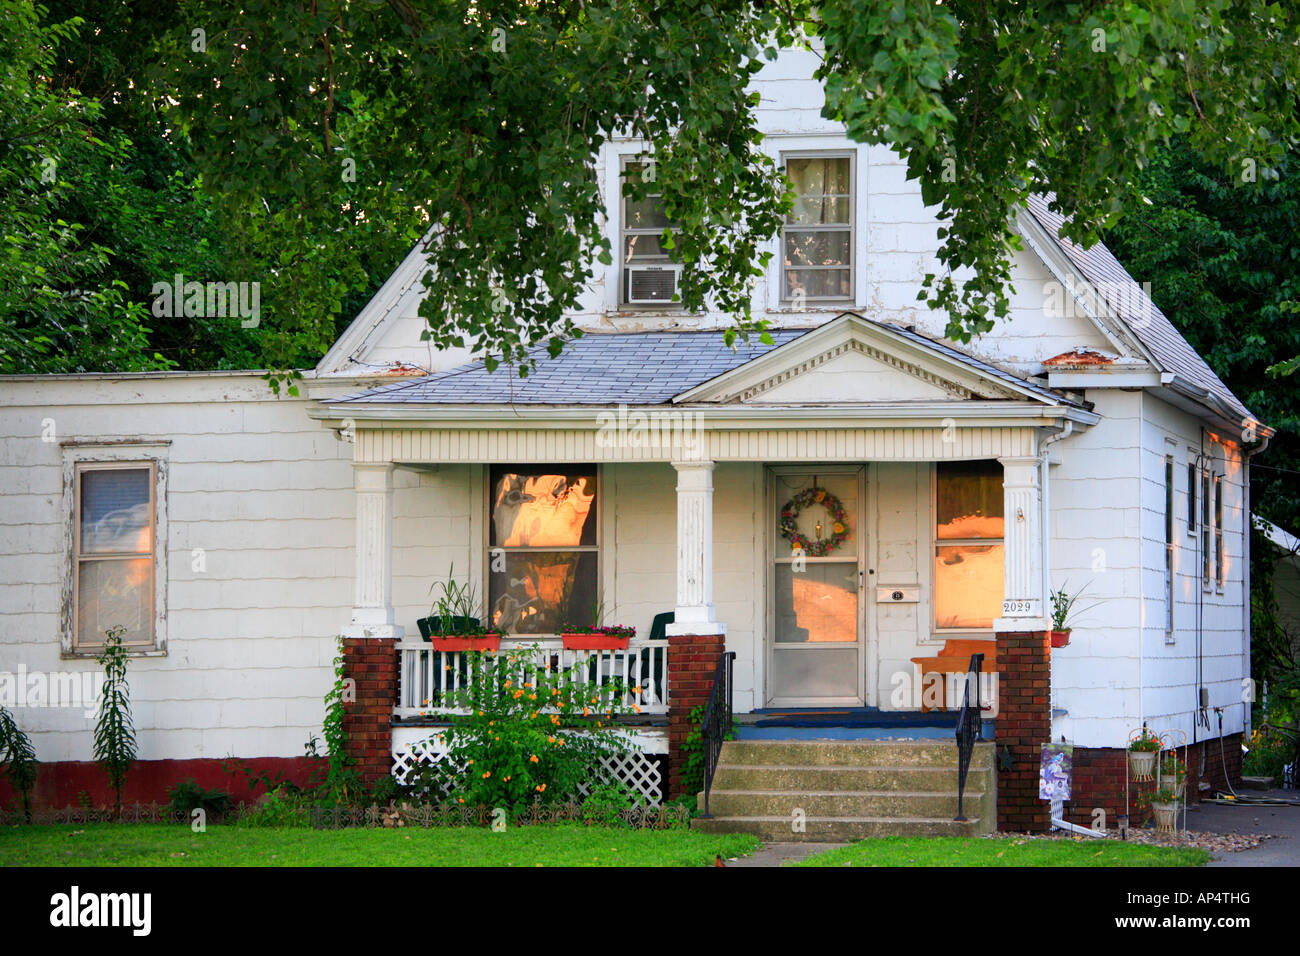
{"x": 595, "y": 642}
{"x": 468, "y": 642}
{"x": 1060, "y": 638}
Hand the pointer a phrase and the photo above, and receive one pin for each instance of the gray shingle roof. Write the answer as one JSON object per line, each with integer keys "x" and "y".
{"x": 1150, "y": 326}
{"x": 632, "y": 368}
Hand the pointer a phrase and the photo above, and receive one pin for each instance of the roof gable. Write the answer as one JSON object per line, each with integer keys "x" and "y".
{"x": 1125, "y": 312}
{"x": 852, "y": 360}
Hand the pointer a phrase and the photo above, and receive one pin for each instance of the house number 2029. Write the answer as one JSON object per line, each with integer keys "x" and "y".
{"x": 1017, "y": 607}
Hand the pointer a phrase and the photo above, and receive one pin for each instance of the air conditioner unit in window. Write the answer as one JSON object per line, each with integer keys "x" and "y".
{"x": 648, "y": 285}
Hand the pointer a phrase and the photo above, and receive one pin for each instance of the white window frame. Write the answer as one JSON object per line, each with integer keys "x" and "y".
{"x": 78, "y": 458}
{"x": 784, "y": 298}
{"x": 623, "y": 232}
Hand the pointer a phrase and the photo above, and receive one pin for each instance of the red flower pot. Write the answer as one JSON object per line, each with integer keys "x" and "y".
{"x": 471, "y": 642}
{"x": 1060, "y": 638}
{"x": 595, "y": 642}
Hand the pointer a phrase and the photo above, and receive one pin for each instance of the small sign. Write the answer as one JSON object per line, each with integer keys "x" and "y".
{"x": 1055, "y": 768}
{"x": 1023, "y": 607}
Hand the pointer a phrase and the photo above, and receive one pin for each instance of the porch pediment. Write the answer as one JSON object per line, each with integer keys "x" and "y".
{"x": 852, "y": 360}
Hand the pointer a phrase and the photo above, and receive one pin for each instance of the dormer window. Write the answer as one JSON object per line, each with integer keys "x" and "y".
{"x": 817, "y": 239}
{"x": 649, "y": 276}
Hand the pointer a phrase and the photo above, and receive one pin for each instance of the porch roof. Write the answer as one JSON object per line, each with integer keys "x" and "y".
{"x": 642, "y": 368}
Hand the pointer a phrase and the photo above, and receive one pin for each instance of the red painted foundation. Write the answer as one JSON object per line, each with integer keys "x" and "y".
{"x": 71, "y": 783}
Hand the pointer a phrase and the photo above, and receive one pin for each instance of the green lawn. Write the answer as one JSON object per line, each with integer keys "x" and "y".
{"x": 105, "y": 844}
{"x": 1004, "y": 851}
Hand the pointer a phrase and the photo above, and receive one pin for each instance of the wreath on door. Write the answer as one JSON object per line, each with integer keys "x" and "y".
{"x": 821, "y": 546}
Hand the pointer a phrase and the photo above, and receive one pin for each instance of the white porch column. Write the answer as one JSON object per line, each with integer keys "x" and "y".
{"x": 372, "y": 608}
{"x": 695, "y": 613}
{"x": 1022, "y": 606}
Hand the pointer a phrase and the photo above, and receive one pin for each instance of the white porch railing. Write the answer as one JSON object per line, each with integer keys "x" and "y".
{"x": 429, "y": 679}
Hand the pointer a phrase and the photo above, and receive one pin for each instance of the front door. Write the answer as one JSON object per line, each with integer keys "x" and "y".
{"x": 816, "y": 640}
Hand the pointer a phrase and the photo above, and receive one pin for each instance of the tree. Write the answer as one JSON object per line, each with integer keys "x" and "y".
{"x": 494, "y": 112}
{"x": 102, "y": 201}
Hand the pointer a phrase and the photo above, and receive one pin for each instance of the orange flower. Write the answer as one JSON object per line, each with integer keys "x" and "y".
{"x": 533, "y": 759}
{"x": 486, "y": 774}
{"x": 518, "y": 694}
{"x": 551, "y": 739}
{"x": 541, "y": 788}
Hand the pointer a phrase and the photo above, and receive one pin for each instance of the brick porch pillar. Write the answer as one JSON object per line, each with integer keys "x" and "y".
{"x": 696, "y": 638}
{"x": 370, "y": 640}
{"x": 692, "y": 661}
{"x": 367, "y": 720}
{"x": 1024, "y": 722}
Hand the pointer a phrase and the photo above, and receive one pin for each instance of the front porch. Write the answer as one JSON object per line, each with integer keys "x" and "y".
{"x": 936, "y": 466}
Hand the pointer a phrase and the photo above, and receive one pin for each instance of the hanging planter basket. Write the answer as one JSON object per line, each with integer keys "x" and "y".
{"x": 1142, "y": 763}
{"x": 1060, "y": 638}
{"x": 1166, "y": 815}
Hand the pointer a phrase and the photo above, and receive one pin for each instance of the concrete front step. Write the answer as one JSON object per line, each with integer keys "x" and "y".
{"x": 843, "y": 803}
{"x": 853, "y": 753}
{"x": 840, "y": 829}
{"x": 771, "y": 777}
{"x": 848, "y": 789}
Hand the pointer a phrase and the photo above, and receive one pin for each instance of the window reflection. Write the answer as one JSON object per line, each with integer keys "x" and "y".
{"x": 969, "y": 563}
{"x": 543, "y": 525}
{"x": 817, "y": 605}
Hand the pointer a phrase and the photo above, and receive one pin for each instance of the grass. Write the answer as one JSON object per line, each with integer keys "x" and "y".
{"x": 1004, "y": 851}
{"x": 106, "y": 844}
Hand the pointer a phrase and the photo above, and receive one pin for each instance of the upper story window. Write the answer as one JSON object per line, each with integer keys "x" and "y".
{"x": 117, "y": 563}
{"x": 817, "y": 239}
{"x": 543, "y": 560}
{"x": 648, "y": 274}
{"x": 968, "y": 552}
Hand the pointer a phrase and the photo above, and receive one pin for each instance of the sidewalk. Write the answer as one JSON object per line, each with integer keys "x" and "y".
{"x": 1282, "y": 822}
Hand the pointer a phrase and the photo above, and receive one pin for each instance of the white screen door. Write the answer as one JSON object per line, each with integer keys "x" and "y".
{"x": 815, "y": 636}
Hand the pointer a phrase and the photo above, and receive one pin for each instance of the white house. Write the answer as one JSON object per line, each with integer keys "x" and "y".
{"x": 1082, "y": 444}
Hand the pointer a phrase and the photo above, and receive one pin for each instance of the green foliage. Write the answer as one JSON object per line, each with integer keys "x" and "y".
{"x": 115, "y": 745}
{"x": 1145, "y": 742}
{"x": 278, "y": 808}
{"x": 607, "y": 801}
{"x": 18, "y": 758}
{"x": 454, "y": 605}
{"x": 529, "y": 734}
{"x": 483, "y": 122}
{"x": 342, "y": 782}
{"x": 693, "y": 753}
{"x": 1063, "y": 602}
{"x": 187, "y": 796}
{"x": 1004, "y": 851}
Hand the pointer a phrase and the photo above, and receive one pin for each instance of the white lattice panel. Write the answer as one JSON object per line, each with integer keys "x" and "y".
{"x": 636, "y": 770}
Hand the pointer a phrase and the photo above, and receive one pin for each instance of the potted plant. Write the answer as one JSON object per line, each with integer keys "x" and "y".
{"x": 453, "y": 623}
{"x": 595, "y": 636}
{"x": 1062, "y": 604}
{"x": 1164, "y": 803}
{"x": 1173, "y": 774}
{"x": 1142, "y": 752}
